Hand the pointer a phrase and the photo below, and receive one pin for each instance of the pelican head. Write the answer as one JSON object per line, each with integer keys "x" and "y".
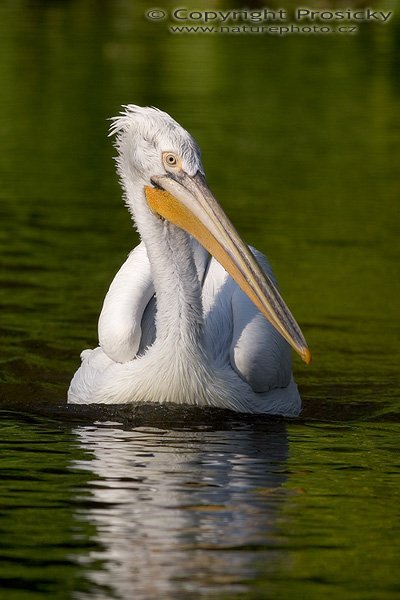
{"x": 161, "y": 171}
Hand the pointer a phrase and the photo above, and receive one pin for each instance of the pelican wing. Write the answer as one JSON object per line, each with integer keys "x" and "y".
{"x": 258, "y": 353}
{"x": 120, "y": 322}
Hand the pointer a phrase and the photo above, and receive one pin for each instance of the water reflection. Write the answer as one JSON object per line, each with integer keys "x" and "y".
{"x": 178, "y": 511}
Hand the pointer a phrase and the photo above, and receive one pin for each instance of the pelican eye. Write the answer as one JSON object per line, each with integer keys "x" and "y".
{"x": 170, "y": 159}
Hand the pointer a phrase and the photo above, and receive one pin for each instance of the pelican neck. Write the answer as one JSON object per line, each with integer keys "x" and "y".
{"x": 179, "y": 317}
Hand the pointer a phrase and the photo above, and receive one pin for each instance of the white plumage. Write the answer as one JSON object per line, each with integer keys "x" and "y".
{"x": 175, "y": 327}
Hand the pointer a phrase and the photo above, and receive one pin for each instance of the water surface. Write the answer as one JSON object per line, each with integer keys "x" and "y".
{"x": 300, "y": 140}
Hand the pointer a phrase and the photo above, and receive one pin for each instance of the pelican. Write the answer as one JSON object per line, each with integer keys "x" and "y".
{"x": 193, "y": 316}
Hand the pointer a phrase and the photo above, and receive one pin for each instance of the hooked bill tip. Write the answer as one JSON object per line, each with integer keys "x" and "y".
{"x": 306, "y": 355}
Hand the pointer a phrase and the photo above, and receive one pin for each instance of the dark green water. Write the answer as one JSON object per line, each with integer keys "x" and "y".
{"x": 301, "y": 144}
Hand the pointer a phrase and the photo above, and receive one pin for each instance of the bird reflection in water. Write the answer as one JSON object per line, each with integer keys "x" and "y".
{"x": 183, "y": 511}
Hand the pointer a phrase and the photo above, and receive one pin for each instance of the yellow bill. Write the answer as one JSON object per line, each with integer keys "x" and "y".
{"x": 188, "y": 203}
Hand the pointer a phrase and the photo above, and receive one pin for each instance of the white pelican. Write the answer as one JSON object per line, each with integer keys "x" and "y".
{"x": 178, "y": 325}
